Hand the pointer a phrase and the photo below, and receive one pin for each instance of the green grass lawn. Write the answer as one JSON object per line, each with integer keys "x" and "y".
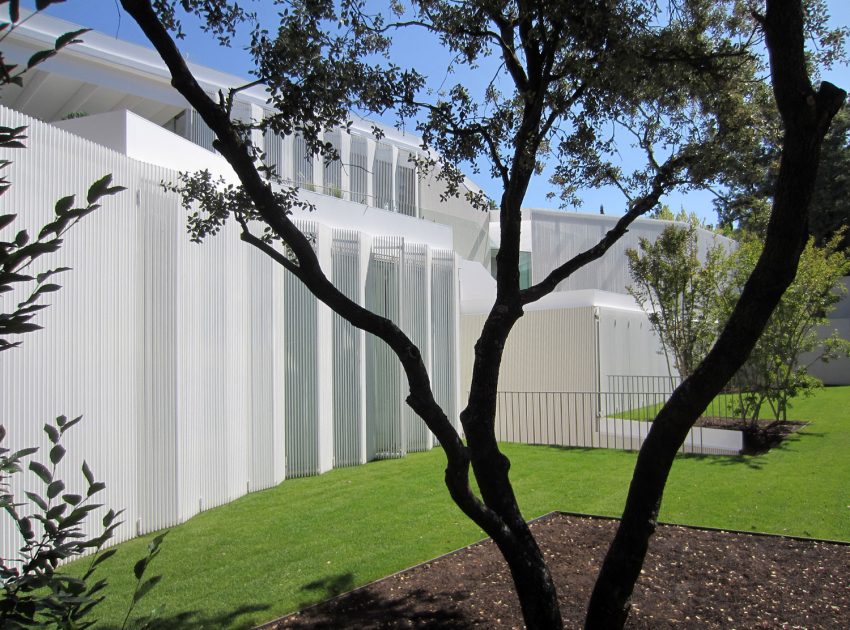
{"x": 275, "y": 551}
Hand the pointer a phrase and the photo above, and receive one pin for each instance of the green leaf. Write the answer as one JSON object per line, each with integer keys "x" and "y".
{"x": 139, "y": 568}
{"x": 23, "y": 452}
{"x": 87, "y": 473}
{"x": 14, "y": 277}
{"x": 39, "y": 57}
{"x": 55, "y": 488}
{"x": 52, "y": 433}
{"x": 77, "y": 515}
{"x": 69, "y": 423}
{"x": 57, "y": 453}
{"x": 103, "y": 556}
{"x": 35, "y": 498}
{"x": 44, "y": 276}
{"x": 41, "y": 471}
{"x": 6, "y": 219}
{"x": 57, "y": 510}
{"x": 63, "y": 205}
{"x": 99, "y": 188}
{"x": 67, "y": 38}
{"x": 72, "y": 499}
{"x": 96, "y": 487}
{"x": 145, "y": 588}
{"x": 22, "y": 238}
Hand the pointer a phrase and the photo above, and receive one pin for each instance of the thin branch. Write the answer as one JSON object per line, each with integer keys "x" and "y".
{"x": 663, "y": 180}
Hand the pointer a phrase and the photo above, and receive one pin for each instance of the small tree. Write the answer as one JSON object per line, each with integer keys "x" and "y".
{"x": 774, "y": 372}
{"x": 677, "y": 291}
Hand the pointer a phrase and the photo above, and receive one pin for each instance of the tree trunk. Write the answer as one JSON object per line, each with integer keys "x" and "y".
{"x": 806, "y": 116}
{"x": 532, "y": 581}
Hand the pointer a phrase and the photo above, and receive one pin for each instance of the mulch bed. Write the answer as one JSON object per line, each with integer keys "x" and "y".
{"x": 692, "y": 578}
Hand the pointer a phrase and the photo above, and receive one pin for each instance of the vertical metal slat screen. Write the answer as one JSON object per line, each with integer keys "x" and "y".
{"x": 333, "y": 169}
{"x": 405, "y": 185}
{"x": 382, "y": 184}
{"x": 301, "y": 386}
{"x": 347, "y": 350}
{"x": 273, "y": 148}
{"x": 444, "y": 335}
{"x": 302, "y": 162}
{"x": 415, "y": 323}
{"x": 385, "y": 424}
{"x": 359, "y": 169}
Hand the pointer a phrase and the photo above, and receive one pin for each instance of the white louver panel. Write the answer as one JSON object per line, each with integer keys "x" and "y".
{"x": 385, "y": 424}
{"x": 349, "y": 404}
{"x": 359, "y": 169}
{"x": 332, "y": 181}
{"x": 416, "y": 323}
{"x": 382, "y": 172}
{"x": 405, "y": 185}
{"x": 444, "y": 333}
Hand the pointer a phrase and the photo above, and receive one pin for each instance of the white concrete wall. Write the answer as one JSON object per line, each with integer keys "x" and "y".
{"x": 195, "y": 383}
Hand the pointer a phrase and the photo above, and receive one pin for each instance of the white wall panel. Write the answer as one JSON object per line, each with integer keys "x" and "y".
{"x": 558, "y": 236}
{"x": 445, "y": 333}
{"x": 206, "y": 371}
{"x": 416, "y": 324}
{"x": 349, "y": 395}
{"x": 386, "y": 427}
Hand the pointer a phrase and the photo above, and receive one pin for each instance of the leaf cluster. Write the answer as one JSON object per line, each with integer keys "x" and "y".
{"x": 20, "y": 251}
{"x": 211, "y": 201}
{"x": 51, "y": 531}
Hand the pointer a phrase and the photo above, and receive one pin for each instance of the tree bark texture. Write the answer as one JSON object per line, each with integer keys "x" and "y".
{"x": 806, "y": 115}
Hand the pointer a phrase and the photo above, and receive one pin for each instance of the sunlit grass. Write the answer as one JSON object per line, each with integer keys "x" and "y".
{"x": 275, "y": 551}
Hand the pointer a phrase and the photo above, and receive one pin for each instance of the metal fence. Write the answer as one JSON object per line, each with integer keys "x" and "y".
{"x": 618, "y": 420}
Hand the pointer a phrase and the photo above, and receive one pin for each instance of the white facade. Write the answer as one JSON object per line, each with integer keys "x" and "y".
{"x": 206, "y": 371}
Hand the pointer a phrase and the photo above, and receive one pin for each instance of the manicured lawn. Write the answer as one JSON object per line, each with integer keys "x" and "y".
{"x": 275, "y": 551}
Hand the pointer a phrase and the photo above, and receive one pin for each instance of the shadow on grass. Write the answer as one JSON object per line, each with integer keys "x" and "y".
{"x": 327, "y": 588}
{"x": 193, "y": 619}
{"x": 368, "y": 608}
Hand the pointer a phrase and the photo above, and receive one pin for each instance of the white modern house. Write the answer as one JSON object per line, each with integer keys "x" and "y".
{"x": 205, "y": 372}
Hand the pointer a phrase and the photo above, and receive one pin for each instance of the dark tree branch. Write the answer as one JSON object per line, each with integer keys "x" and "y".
{"x": 233, "y": 148}
{"x": 662, "y": 182}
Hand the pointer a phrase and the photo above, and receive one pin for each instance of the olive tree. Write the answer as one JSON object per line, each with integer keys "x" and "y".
{"x": 673, "y": 79}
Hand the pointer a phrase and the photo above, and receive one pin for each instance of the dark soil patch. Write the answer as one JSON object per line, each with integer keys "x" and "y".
{"x": 692, "y": 578}
{"x": 759, "y": 436}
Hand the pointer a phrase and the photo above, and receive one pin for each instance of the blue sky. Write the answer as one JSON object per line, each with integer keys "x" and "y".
{"x": 106, "y": 16}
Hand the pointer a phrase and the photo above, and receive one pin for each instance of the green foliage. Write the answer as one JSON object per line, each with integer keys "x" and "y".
{"x": 676, "y": 290}
{"x": 51, "y": 528}
{"x": 688, "y": 302}
{"x": 774, "y": 373}
{"x": 51, "y": 531}
{"x": 831, "y": 199}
